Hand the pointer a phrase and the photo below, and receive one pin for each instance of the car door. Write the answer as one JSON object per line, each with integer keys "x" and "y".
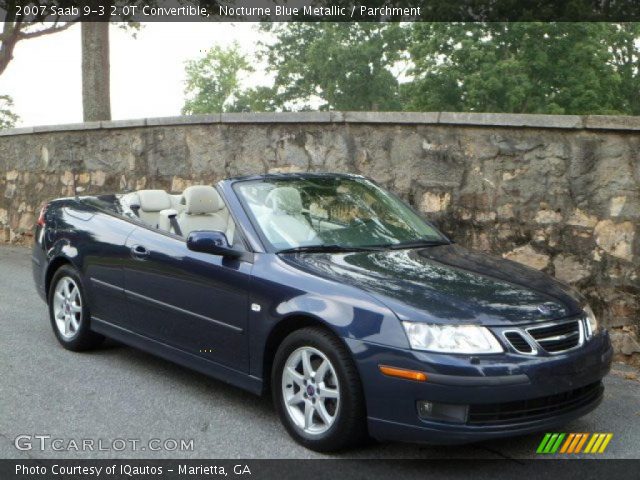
{"x": 103, "y": 238}
{"x": 193, "y": 301}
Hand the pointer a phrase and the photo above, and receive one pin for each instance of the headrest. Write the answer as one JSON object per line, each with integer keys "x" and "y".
{"x": 285, "y": 200}
{"x": 153, "y": 200}
{"x": 201, "y": 199}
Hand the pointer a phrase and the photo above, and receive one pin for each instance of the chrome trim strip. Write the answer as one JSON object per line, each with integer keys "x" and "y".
{"x": 553, "y": 324}
{"x": 107, "y": 285}
{"x": 558, "y": 337}
{"x": 168, "y": 306}
{"x": 525, "y": 337}
{"x": 164, "y": 305}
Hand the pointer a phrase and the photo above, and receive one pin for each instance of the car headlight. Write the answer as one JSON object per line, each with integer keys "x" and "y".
{"x": 451, "y": 338}
{"x": 590, "y": 322}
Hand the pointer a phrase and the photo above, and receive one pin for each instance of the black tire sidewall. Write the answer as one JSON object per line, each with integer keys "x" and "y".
{"x": 348, "y": 427}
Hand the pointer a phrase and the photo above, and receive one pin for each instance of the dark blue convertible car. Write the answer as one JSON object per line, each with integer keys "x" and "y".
{"x": 358, "y": 316}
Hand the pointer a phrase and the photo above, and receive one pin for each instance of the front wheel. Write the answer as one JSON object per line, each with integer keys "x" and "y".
{"x": 317, "y": 391}
{"x": 69, "y": 311}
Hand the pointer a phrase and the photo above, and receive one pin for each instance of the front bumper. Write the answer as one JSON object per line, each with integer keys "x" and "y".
{"x": 482, "y": 381}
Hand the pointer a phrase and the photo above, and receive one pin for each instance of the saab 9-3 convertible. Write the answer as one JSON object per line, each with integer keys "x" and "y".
{"x": 357, "y": 315}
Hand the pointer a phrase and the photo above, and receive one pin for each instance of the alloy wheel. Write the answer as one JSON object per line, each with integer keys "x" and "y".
{"x": 67, "y": 307}
{"x": 310, "y": 390}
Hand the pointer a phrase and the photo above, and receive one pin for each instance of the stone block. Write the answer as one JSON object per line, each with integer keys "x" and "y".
{"x": 527, "y": 255}
{"x": 612, "y": 122}
{"x": 512, "y": 120}
{"x": 433, "y": 202}
{"x": 616, "y": 238}
{"x": 570, "y": 269}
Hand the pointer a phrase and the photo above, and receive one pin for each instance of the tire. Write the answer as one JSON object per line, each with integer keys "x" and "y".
{"x": 69, "y": 311}
{"x": 335, "y": 423}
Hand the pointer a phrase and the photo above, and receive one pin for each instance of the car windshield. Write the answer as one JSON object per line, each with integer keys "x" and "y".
{"x": 332, "y": 213}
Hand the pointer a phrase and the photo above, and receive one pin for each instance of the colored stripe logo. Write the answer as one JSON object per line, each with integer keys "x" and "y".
{"x": 574, "y": 443}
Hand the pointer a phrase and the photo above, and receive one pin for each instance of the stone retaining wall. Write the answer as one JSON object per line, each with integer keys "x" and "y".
{"x": 559, "y": 193}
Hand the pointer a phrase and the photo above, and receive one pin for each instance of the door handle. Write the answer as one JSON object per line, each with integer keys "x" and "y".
{"x": 139, "y": 252}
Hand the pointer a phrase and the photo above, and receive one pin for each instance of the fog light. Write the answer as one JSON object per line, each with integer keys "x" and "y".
{"x": 445, "y": 412}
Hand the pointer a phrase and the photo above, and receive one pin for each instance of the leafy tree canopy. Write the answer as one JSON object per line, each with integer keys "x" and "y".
{"x": 336, "y": 66}
{"x": 213, "y": 82}
{"x": 558, "y": 68}
{"x": 561, "y": 68}
{"x": 8, "y": 118}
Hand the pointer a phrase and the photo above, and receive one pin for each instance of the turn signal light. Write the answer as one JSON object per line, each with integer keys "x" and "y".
{"x": 403, "y": 373}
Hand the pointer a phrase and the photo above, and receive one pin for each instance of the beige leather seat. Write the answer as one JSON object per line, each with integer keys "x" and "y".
{"x": 164, "y": 216}
{"x": 204, "y": 210}
{"x": 164, "y": 219}
{"x": 151, "y": 202}
{"x": 284, "y": 224}
{"x": 176, "y": 202}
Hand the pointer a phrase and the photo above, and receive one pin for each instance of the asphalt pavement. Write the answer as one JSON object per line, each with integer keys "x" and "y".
{"x": 119, "y": 397}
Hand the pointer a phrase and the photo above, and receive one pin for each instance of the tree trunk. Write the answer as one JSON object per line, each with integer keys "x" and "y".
{"x": 96, "y": 98}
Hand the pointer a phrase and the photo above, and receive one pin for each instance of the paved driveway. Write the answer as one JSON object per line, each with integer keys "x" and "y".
{"x": 120, "y": 393}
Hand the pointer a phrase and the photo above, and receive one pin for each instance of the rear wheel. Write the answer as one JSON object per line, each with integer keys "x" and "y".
{"x": 317, "y": 391}
{"x": 69, "y": 311}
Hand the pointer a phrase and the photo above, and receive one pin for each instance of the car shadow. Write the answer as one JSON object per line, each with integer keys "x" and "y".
{"x": 198, "y": 384}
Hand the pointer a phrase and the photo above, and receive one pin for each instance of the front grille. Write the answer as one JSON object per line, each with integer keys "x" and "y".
{"x": 518, "y": 342}
{"x": 557, "y": 337}
{"x": 534, "y": 409}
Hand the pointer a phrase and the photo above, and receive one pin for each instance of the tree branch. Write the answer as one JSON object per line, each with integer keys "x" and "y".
{"x": 47, "y": 31}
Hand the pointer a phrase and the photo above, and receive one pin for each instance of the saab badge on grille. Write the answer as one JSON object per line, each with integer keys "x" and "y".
{"x": 544, "y": 309}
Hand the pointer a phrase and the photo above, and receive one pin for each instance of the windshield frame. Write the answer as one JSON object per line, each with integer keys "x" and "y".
{"x": 268, "y": 247}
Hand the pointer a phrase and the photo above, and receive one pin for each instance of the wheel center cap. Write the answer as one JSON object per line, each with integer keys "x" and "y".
{"x": 310, "y": 390}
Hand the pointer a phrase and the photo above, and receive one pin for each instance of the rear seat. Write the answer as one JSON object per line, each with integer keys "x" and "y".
{"x": 176, "y": 202}
{"x": 148, "y": 204}
{"x": 199, "y": 207}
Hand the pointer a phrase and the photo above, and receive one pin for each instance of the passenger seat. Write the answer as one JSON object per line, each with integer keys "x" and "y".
{"x": 285, "y": 224}
{"x": 204, "y": 210}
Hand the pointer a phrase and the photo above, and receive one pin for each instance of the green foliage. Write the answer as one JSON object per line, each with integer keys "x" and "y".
{"x": 558, "y": 68}
{"x": 257, "y": 99}
{"x": 8, "y": 118}
{"x": 336, "y": 66}
{"x": 561, "y": 68}
{"x": 213, "y": 82}
{"x": 625, "y": 60}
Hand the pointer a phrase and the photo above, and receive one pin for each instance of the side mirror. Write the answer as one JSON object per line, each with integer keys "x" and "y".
{"x": 213, "y": 242}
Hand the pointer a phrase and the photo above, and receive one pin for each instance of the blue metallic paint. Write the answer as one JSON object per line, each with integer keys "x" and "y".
{"x": 175, "y": 302}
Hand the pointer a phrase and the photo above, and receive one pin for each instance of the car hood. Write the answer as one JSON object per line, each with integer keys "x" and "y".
{"x": 446, "y": 283}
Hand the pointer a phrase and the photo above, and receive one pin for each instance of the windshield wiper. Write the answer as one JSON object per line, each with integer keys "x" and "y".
{"x": 330, "y": 248}
{"x": 416, "y": 244}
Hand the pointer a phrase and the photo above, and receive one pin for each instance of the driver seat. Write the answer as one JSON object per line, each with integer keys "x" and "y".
{"x": 204, "y": 210}
{"x": 285, "y": 224}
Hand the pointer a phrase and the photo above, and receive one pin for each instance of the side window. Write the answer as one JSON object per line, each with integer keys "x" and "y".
{"x": 199, "y": 207}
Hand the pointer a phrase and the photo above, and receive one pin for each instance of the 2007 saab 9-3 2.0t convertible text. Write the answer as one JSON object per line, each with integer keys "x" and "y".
{"x": 357, "y": 315}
